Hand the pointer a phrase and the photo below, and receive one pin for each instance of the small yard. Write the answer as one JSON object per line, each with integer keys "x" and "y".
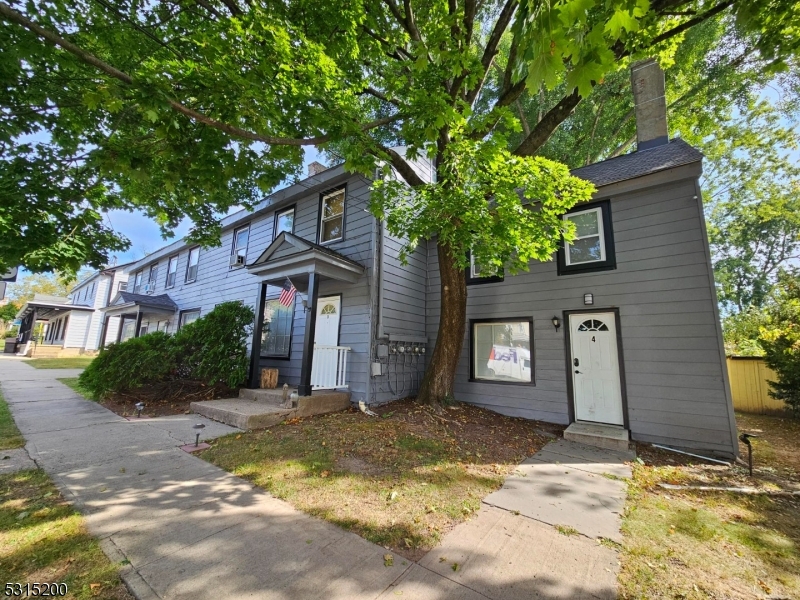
{"x": 401, "y": 480}
{"x": 71, "y": 362}
{"x": 694, "y": 544}
{"x": 10, "y": 437}
{"x": 74, "y": 383}
{"x": 44, "y": 539}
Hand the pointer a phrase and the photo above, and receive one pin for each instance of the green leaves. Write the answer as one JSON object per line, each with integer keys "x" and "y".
{"x": 574, "y": 38}
{"x": 505, "y": 209}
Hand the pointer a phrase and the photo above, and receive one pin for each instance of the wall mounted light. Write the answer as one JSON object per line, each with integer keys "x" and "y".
{"x": 588, "y": 299}
{"x": 305, "y": 304}
{"x": 556, "y": 322}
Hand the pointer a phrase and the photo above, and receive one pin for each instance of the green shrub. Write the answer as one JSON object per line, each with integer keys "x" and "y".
{"x": 213, "y": 350}
{"x": 783, "y": 356}
{"x": 780, "y": 338}
{"x": 129, "y": 365}
{"x": 11, "y": 333}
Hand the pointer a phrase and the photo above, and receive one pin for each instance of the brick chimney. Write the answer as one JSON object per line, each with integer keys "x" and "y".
{"x": 647, "y": 82}
{"x": 315, "y": 168}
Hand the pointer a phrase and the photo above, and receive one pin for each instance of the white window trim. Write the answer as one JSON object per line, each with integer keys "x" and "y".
{"x": 600, "y": 232}
{"x": 322, "y": 218}
{"x": 189, "y": 264}
{"x": 472, "y": 273}
{"x": 173, "y": 260}
{"x": 278, "y": 214}
{"x": 235, "y": 249}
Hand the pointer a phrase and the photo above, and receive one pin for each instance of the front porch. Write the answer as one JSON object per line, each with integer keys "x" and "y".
{"x": 135, "y": 314}
{"x": 63, "y": 327}
{"x": 259, "y": 409}
{"x": 298, "y": 267}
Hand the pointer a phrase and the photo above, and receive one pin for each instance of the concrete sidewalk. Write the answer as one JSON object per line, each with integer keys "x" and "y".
{"x": 191, "y": 530}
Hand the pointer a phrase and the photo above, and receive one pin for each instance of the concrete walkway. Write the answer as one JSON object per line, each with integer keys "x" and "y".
{"x": 185, "y": 529}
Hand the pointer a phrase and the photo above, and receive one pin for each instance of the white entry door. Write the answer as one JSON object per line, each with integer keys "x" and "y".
{"x": 595, "y": 368}
{"x": 326, "y": 335}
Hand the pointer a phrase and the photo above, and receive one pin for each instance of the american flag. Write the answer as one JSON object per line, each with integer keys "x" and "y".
{"x": 287, "y": 294}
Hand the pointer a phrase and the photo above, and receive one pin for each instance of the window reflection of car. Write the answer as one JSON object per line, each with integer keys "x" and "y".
{"x": 509, "y": 362}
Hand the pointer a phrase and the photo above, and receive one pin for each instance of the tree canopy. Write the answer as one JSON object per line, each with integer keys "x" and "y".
{"x": 189, "y": 107}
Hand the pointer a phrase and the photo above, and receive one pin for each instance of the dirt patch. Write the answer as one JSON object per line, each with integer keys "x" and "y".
{"x": 401, "y": 479}
{"x": 168, "y": 398}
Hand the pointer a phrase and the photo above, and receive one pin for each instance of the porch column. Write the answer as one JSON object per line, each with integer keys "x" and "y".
{"x": 121, "y": 327}
{"x": 255, "y": 347}
{"x": 304, "y": 389}
{"x": 138, "y": 323}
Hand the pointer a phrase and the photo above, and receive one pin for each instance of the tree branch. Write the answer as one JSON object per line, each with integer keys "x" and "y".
{"x": 233, "y": 7}
{"x": 691, "y": 23}
{"x": 15, "y": 17}
{"x": 492, "y": 48}
{"x": 550, "y": 121}
{"x": 401, "y": 166}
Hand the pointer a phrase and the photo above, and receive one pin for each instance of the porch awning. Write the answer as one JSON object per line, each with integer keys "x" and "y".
{"x": 293, "y": 257}
{"x": 46, "y": 310}
{"x": 129, "y": 303}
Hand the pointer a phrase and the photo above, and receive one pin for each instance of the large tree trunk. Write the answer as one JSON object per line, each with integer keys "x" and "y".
{"x": 437, "y": 385}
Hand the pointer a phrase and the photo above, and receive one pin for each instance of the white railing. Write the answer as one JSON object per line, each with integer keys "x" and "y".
{"x": 329, "y": 367}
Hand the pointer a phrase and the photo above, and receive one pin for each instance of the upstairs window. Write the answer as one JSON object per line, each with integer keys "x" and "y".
{"x": 152, "y": 278}
{"x": 137, "y": 283}
{"x": 331, "y": 226}
{"x": 241, "y": 237}
{"x": 122, "y": 286}
{"x": 477, "y": 274}
{"x": 172, "y": 271}
{"x": 191, "y": 265}
{"x": 284, "y": 221}
{"x": 592, "y": 249}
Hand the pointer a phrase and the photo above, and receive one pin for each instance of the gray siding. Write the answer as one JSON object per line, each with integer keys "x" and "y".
{"x": 354, "y": 326}
{"x": 663, "y": 288}
{"x": 217, "y": 282}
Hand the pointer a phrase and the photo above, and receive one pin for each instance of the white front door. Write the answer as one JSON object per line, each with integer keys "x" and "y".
{"x": 326, "y": 334}
{"x": 595, "y": 368}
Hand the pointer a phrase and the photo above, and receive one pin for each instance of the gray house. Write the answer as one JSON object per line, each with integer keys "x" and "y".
{"x": 617, "y": 336}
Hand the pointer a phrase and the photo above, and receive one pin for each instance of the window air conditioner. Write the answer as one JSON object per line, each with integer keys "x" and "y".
{"x": 237, "y": 260}
{"x": 148, "y": 288}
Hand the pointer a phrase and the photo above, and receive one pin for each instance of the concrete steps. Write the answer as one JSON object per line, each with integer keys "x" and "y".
{"x": 53, "y": 351}
{"x": 599, "y": 435}
{"x": 259, "y": 409}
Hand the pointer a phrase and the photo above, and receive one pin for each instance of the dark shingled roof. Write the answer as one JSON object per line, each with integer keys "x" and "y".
{"x": 637, "y": 164}
{"x": 162, "y": 300}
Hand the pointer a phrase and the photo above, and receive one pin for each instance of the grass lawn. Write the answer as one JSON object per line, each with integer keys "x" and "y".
{"x": 43, "y": 539}
{"x": 692, "y": 544}
{"x": 73, "y": 383}
{"x": 401, "y": 480}
{"x": 72, "y": 362}
{"x": 10, "y": 437}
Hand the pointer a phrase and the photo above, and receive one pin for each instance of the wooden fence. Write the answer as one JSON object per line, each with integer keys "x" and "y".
{"x": 749, "y": 387}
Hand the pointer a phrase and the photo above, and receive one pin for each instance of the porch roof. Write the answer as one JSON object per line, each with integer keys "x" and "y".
{"x": 46, "y": 310}
{"x": 292, "y": 256}
{"x": 128, "y": 302}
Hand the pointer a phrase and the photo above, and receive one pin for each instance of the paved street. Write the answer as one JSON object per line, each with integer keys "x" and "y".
{"x": 190, "y": 530}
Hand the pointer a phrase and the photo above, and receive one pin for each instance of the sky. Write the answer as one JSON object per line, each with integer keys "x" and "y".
{"x": 145, "y": 234}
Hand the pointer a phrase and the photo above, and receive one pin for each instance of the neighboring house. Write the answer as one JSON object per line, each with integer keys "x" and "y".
{"x": 72, "y": 325}
{"x": 618, "y": 333}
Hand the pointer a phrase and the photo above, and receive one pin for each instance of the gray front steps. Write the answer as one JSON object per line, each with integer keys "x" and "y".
{"x": 597, "y": 434}
{"x": 259, "y": 409}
